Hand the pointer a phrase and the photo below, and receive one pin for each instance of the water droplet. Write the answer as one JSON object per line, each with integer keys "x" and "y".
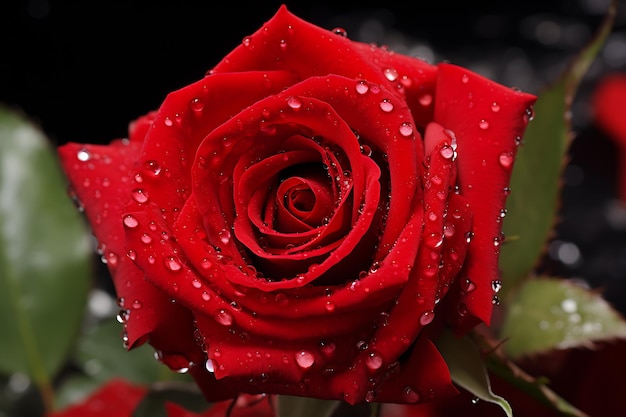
{"x": 529, "y": 114}
{"x": 196, "y": 105}
{"x": 497, "y": 241}
{"x": 206, "y": 296}
{"x": 132, "y": 255}
{"x": 374, "y": 361}
{"x": 224, "y": 317}
{"x": 426, "y": 99}
{"x": 362, "y": 87}
{"x": 224, "y": 236}
{"x": 483, "y": 124}
{"x": 506, "y": 191}
{"x": 139, "y": 195}
{"x": 83, "y": 155}
{"x": 196, "y": 284}
{"x": 209, "y": 365}
{"x": 506, "y": 159}
{"x": 410, "y": 395}
{"x": 329, "y": 306}
{"x": 294, "y": 103}
{"x": 495, "y": 300}
{"x": 122, "y": 316}
{"x": 427, "y": 317}
{"x": 496, "y": 285}
{"x": 503, "y": 213}
{"x": 386, "y": 105}
{"x": 495, "y": 107}
{"x": 168, "y": 122}
{"x": 406, "y": 129}
{"x": 137, "y": 304}
{"x": 465, "y": 78}
{"x": 152, "y": 168}
{"x": 205, "y": 263}
{"x": 283, "y": 44}
{"x": 446, "y": 152}
{"x": 130, "y": 221}
{"x": 434, "y": 240}
{"x": 468, "y": 286}
{"x": 390, "y": 74}
{"x": 327, "y": 348}
{"x": 340, "y": 31}
{"x": 172, "y": 263}
{"x": 305, "y": 359}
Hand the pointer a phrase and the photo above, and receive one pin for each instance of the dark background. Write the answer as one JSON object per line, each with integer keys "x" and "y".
{"x": 82, "y": 70}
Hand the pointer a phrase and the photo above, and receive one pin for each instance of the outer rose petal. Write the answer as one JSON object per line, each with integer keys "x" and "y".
{"x": 100, "y": 178}
{"x": 488, "y": 121}
{"x": 117, "y": 398}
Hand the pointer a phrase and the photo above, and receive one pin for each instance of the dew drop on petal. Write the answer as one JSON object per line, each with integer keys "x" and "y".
{"x": 152, "y": 168}
{"x": 374, "y": 361}
{"x": 327, "y": 348}
{"x": 386, "y": 105}
{"x": 446, "y": 152}
{"x": 506, "y": 159}
{"x": 83, "y": 155}
{"x": 426, "y": 99}
{"x": 406, "y": 129}
{"x": 410, "y": 395}
{"x": 465, "y": 78}
{"x": 391, "y": 74}
{"x": 362, "y": 87}
{"x": 130, "y": 221}
{"x": 483, "y": 124}
{"x": 224, "y": 317}
{"x": 294, "y": 103}
{"x": 340, "y": 31}
{"x": 224, "y": 236}
{"x": 209, "y": 366}
{"x": 172, "y": 263}
{"x": 427, "y": 317}
{"x": 196, "y": 105}
{"x": 139, "y": 195}
{"x": 305, "y": 359}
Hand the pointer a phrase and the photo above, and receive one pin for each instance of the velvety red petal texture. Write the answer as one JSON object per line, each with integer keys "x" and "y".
{"x": 117, "y": 398}
{"x": 488, "y": 121}
{"x": 291, "y": 222}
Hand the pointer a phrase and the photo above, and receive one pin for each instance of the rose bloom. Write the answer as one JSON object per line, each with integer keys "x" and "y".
{"x": 306, "y": 218}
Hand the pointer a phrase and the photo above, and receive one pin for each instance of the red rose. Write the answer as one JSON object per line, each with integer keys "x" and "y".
{"x": 289, "y": 223}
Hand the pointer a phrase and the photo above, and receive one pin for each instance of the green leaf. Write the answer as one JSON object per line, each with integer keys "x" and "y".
{"x": 467, "y": 368}
{"x": 536, "y": 177}
{"x": 550, "y": 313}
{"x": 289, "y": 406}
{"x": 101, "y": 355}
{"x": 45, "y": 254}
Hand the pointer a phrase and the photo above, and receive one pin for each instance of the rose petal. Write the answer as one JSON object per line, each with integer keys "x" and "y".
{"x": 116, "y": 397}
{"x": 486, "y": 118}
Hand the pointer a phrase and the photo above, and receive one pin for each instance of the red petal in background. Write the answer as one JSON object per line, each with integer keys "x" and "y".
{"x": 117, "y": 398}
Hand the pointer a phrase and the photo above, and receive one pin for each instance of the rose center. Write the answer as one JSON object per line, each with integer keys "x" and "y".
{"x": 304, "y": 201}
